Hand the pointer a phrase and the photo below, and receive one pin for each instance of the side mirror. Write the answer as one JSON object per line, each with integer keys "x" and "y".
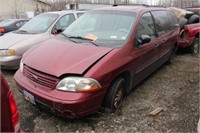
{"x": 57, "y": 31}
{"x": 144, "y": 39}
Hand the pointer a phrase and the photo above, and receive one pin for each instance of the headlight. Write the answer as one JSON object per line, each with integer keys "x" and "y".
{"x": 7, "y": 52}
{"x": 78, "y": 84}
{"x": 21, "y": 66}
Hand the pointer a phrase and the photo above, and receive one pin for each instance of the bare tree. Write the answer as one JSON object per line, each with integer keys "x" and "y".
{"x": 15, "y": 6}
{"x": 58, "y": 5}
{"x": 176, "y": 3}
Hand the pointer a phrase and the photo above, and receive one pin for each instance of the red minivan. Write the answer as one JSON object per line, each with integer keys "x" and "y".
{"x": 9, "y": 112}
{"x": 98, "y": 59}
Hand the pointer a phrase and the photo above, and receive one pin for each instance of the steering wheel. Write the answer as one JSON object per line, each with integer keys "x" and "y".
{"x": 122, "y": 30}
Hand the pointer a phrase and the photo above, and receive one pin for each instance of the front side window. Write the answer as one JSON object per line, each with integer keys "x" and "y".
{"x": 39, "y": 24}
{"x": 65, "y": 21}
{"x": 146, "y": 26}
{"x": 18, "y": 24}
{"x": 161, "y": 22}
{"x": 105, "y": 28}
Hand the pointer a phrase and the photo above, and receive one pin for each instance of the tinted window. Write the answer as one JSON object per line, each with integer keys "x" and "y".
{"x": 18, "y": 24}
{"x": 146, "y": 26}
{"x": 161, "y": 22}
{"x": 172, "y": 19}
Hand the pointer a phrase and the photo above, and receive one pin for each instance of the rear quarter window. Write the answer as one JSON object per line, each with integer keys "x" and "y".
{"x": 161, "y": 22}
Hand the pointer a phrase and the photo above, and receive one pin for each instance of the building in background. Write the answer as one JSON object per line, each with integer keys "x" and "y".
{"x": 91, "y": 4}
{"x": 73, "y": 4}
{"x": 22, "y": 8}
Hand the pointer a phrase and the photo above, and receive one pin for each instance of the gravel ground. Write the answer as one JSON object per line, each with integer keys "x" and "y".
{"x": 174, "y": 87}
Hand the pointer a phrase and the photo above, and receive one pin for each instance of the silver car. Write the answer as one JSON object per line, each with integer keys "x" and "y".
{"x": 38, "y": 29}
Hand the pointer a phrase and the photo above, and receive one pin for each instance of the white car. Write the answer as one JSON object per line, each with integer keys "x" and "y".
{"x": 38, "y": 29}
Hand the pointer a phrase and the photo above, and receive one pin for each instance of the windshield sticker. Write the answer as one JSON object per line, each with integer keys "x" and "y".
{"x": 91, "y": 37}
{"x": 113, "y": 37}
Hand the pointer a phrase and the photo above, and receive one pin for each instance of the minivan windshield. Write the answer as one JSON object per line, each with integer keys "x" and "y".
{"x": 39, "y": 24}
{"x": 103, "y": 27}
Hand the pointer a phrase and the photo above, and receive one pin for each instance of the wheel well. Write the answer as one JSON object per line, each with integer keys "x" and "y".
{"x": 175, "y": 46}
{"x": 197, "y": 35}
{"x": 127, "y": 77}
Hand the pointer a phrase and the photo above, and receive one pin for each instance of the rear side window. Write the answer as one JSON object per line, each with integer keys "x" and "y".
{"x": 18, "y": 24}
{"x": 172, "y": 19}
{"x": 161, "y": 22}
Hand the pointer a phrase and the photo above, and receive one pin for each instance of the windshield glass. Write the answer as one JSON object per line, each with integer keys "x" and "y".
{"x": 105, "y": 28}
{"x": 7, "y": 22}
{"x": 39, "y": 24}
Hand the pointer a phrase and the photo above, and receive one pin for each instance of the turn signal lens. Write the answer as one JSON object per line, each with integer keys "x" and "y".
{"x": 11, "y": 52}
{"x": 2, "y": 30}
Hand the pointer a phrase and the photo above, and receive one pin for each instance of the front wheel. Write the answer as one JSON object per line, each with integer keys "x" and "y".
{"x": 115, "y": 95}
{"x": 194, "y": 48}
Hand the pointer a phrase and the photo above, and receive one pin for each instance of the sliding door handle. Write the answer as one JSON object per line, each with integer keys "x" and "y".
{"x": 156, "y": 45}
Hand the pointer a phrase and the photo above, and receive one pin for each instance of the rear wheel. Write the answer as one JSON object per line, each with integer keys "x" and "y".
{"x": 194, "y": 48}
{"x": 115, "y": 95}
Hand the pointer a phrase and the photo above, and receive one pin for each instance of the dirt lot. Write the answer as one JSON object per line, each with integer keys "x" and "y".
{"x": 173, "y": 87}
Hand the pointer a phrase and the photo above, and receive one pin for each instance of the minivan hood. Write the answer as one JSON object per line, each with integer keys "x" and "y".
{"x": 58, "y": 57}
{"x": 12, "y": 39}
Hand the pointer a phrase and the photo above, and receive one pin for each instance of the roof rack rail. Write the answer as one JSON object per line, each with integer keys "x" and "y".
{"x": 157, "y": 6}
{"x": 139, "y": 5}
{"x": 131, "y": 5}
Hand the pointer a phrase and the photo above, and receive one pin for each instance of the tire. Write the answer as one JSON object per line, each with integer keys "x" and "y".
{"x": 172, "y": 55}
{"x": 115, "y": 95}
{"x": 194, "y": 48}
{"x": 193, "y": 19}
{"x": 182, "y": 23}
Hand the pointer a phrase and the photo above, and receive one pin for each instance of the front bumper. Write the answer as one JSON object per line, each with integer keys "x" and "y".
{"x": 61, "y": 103}
{"x": 10, "y": 62}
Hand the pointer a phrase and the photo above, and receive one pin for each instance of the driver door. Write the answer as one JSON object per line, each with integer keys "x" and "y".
{"x": 146, "y": 54}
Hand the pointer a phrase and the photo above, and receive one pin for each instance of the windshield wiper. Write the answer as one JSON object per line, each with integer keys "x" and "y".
{"x": 22, "y": 31}
{"x": 68, "y": 37}
{"x": 83, "y": 38}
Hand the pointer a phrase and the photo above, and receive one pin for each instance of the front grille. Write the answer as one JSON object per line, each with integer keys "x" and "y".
{"x": 40, "y": 78}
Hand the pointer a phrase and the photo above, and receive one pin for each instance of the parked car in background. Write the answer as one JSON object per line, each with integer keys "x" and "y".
{"x": 98, "y": 59}
{"x": 9, "y": 112}
{"x": 189, "y": 29}
{"x": 38, "y": 29}
{"x": 189, "y": 38}
{"x": 194, "y": 10}
{"x": 9, "y": 25}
